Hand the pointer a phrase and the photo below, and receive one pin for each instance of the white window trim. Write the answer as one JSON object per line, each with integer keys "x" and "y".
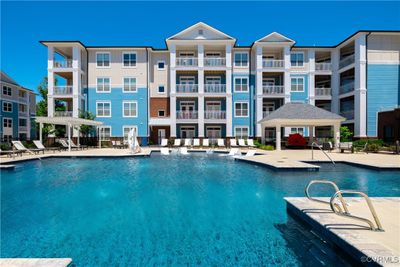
{"x": 129, "y": 102}
{"x": 187, "y": 103}
{"x": 234, "y": 84}
{"x": 8, "y": 88}
{"x": 302, "y": 78}
{"x": 297, "y": 66}
{"x": 248, "y": 109}
{"x": 297, "y": 130}
{"x": 12, "y": 124}
{"x": 2, "y": 108}
{"x": 158, "y": 89}
{"x": 239, "y": 126}
{"x": 128, "y": 126}
{"x": 122, "y": 59}
{"x": 109, "y": 56}
{"x": 105, "y": 126}
{"x": 104, "y": 102}
{"x": 213, "y": 77}
{"x": 158, "y": 114}
{"x": 241, "y": 52}
{"x": 103, "y": 92}
{"x": 123, "y": 85}
{"x": 159, "y": 61}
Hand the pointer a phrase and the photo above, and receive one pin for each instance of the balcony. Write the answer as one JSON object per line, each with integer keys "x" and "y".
{"x": 22, "y": 128}
{"x": 273, "y": 89}
{"x": 323, "y": 66}
{"x": 215, "y": 88}
{"x": 187, "y": 115}
{"x": 346, "y": 61}
{"x": 63, "y": 90}
{"x": 62, "y": 63}
{"x": 186, "y": 61}
{"x": 323, "y": 91}
{"x": 187, "y": 88}
{"x": 346, "y": 88}
{"x": 214, "y": 62}
{"x": 214, "y": 115}
{"x": 273, "y": 63}
{"x": 348, "y": 114}
{"x": 23, "y": 113}
{"x": 23, "y": 99}
{"x": 63, "y": 113}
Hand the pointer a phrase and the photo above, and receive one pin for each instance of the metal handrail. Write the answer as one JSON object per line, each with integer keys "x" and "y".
{"x": 312, "y": 152}
{"x": 370, "y": 206}
{"x": 344, "y": 204}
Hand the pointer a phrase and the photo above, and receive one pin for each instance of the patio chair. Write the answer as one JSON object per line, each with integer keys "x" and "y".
{"x": 220, "y": 142}
{"x": 164, "y": 142}
{"x": 242, "y": 143}
{"x": 117, "y": 144}
{"x": 82, "y": 146}
{"x": 177, "y": 142}
{"x": 250, "y": 143}
{"x": 9, "y": 153}
{"x": 20, "y": 147}
{"x": 196, "y": 142}
{"x": 346, "y": 146}
{"x": 64, "y": 144}
{"x": 164, "y": 151}
{"x": 183, "y": 150}
{"x": 250, "y": 153}
{"x": 233, "y": 142}
{"x": 188, "y": 142}
{"x": 234, "y": 152}
{"x": 206, "y": 142}
{"x": 39, "y": 145}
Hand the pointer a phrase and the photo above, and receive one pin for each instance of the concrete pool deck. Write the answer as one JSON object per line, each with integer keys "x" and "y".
{"x": 352, "y": 235}
{"x": 35, "y": 262}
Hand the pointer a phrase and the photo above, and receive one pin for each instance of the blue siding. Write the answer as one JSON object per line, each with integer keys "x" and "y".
{"x": 13, "y": 115}
{"x": 117, "y": 121}
{"x": 383, "y": 92}
{"x": 245, "y": 96}
{"x": 300, "y": 96}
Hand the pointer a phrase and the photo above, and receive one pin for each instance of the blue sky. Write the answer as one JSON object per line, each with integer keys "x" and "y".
{"x": 23, "y": 24}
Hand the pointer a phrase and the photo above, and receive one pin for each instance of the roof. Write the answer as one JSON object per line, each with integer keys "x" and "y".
{"x": 67, "y": 120}
{"x": 293, "y": 112}
{"x": 7, "y": 79}
{"x": 201, "y": 25}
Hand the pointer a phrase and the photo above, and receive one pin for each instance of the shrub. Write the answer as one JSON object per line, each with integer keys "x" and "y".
{"x": 264, "y": 147}
{"x": 345, "y": 134}
{"x": 373, "y": 147}
{"x": 5, "y": 147}
{"x": 296, "y": 140}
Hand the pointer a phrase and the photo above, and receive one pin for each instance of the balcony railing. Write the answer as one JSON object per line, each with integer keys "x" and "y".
{"x": 214, "y": 88}
{"x": 273, "y": 89}
{"x": 62, "y": 63}
{"x": 22, "y": 128}
{"x": 348, "y": 114}
{"x": 62, "y": 90}
{"x": 23, "y": 113}
{"x": 346, "y": 61}
{"x": 273, "y": 63}
{"x": 63, "y": 113}
{"x": 323, "y": 91}
{"x": 187, "y": 115}
{"x": 187, "y": 88}
{"x": 22, "y": 98}
{"x": 186, "y": 61}
{"x": 346, "y": 88}
{"x": 214, "y": 115}
{"x": 215, "y": 61}
{"x": 323, "y": 66}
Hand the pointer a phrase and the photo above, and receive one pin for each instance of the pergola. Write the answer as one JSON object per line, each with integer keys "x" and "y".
{"x": 67, "y": 121}
{"x": 300, "y": 114}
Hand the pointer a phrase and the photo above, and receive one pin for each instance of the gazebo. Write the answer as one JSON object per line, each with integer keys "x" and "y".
{"x": 67, "y": 121}
{"x": 300, "y": 114}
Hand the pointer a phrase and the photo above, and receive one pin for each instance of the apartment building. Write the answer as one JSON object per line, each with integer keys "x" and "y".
{"x": 18, "y": 105}
{"x": 204, "y": 85}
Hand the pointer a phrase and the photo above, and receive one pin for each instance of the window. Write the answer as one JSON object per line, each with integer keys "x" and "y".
{"x": 161, "y": 89}
{"x": 7, "y": 106}
{"x": 7, "y": 90}
{"x": 161, "y": 65}
{"x": 7, "y": 123}
{"x": 161, "y": 113}
{"x": 297, "y": 59}
{"x": 298, "y": 130}
{"x": 103, "y": 109}
{"x": 129, "y": 108}
{"x": 22, "y": 122}
{"x": 297, "y": 85}
{"x": 103, "y": 85}
{"x": 103, "y": 59}
{"x": 129, "y": 59}
{"x": 127, "y": 129}
{"x": 241, "y": 109}
{"x": 130, "y": 84}
{"x": 241, "y": 59}
{"x": 105, "y": 133}
{"x": 242, "y": 132}
{"x": 241, "y": 84}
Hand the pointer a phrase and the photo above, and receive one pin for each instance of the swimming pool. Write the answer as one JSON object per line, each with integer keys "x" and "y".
{"x": 165, "y": 210}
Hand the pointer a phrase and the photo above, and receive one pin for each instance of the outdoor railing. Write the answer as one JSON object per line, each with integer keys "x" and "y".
{"x": 323, "y": 66}
{"x": 346, "y": 88}
{"x": 63, "y": 90}
{"x": 63, "y": 113}
{"x": 187, "y": 88}
{"x": 22, "y": 98}
{"x": 186, "y": 61}
{"x": 346, "y": 61}
{"x": 67, "y": 63}
{"x": 23, "y": 113}
{"x": 214, "y": 88}
{"x": 214, "y": 115}
{"x": 323, "y": 91}
{"x": 273, "y": 63}
{"x": 186, "y": 115}
{"x": 215, "y": 61}
{"x": 273, "y": 89}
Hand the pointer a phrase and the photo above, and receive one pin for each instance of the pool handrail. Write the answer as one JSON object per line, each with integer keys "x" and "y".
{"x": 314, "y": 144}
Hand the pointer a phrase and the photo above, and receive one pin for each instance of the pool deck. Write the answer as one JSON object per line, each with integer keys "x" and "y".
{"x": 35, "y": 262}
{"x": 351, "y": 235}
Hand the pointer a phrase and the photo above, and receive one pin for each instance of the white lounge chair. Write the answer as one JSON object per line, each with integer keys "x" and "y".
{"x": 164, "y": 142}
{"x": 84, "y": 146}
{"x": 250, "y": 153}
{"x": 177, "y": 142}
{"x": 220, "y": 142}
{"x": 206, "y": 142}
{"x": 242, "y": 143}
{"x": 188, "y": 142}
{"x": 250, "y": 143}
{"x": 183, "y": 150}
{"x": 233, "y": 142}
{"x": 39, "y": 145}
{"x": 164, "y": 151}
{"x": 21, "y": 148}
{"x": 65, "y": 145}
{"x": 196, "y": 142}
{"x": 234, "y": 152}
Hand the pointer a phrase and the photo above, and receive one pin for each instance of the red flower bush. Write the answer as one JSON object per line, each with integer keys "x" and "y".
{"x": 296, "y": 140}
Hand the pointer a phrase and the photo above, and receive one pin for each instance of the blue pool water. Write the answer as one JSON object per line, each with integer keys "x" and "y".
{"x": 166, "y": 210}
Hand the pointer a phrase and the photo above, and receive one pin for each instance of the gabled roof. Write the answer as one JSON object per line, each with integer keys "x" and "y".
{"x": 7, "y": 79}
{"x": 275, "y": 37}
{"x": 208, "y": 33}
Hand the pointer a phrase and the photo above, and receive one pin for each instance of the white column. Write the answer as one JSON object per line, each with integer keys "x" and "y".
{"x": 69, "y": 137}
{"x": 201, "y": 116}
{"x": 200, "y": 55}
{"x": 278, "y": 138}
{"x": 50, "y": 106}
{"x": 228, "y": 56}
{"x": 360, "y": 88}
{"x": 335, "y": 81}
{"x": 311, "y": 80}
{"x": 41, "y": 132}
{"x": 286, "y": 79}
{"x": 229, "y": 116}
{"x": 172, "y": 55}
{"x": 173, "y": 115}
{"x": 76, "y": 57}
{"x": 50, "y": 57}
{"x": 336, "y": 132}
{"x": 311, "y": 134}
{"x": 259, "y": 112}
{"x": 76, "y": 81}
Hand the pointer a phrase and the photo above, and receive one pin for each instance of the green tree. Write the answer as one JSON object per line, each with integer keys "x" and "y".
{"x": 345, "y": 134}
{"x": 87, "y": 129}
